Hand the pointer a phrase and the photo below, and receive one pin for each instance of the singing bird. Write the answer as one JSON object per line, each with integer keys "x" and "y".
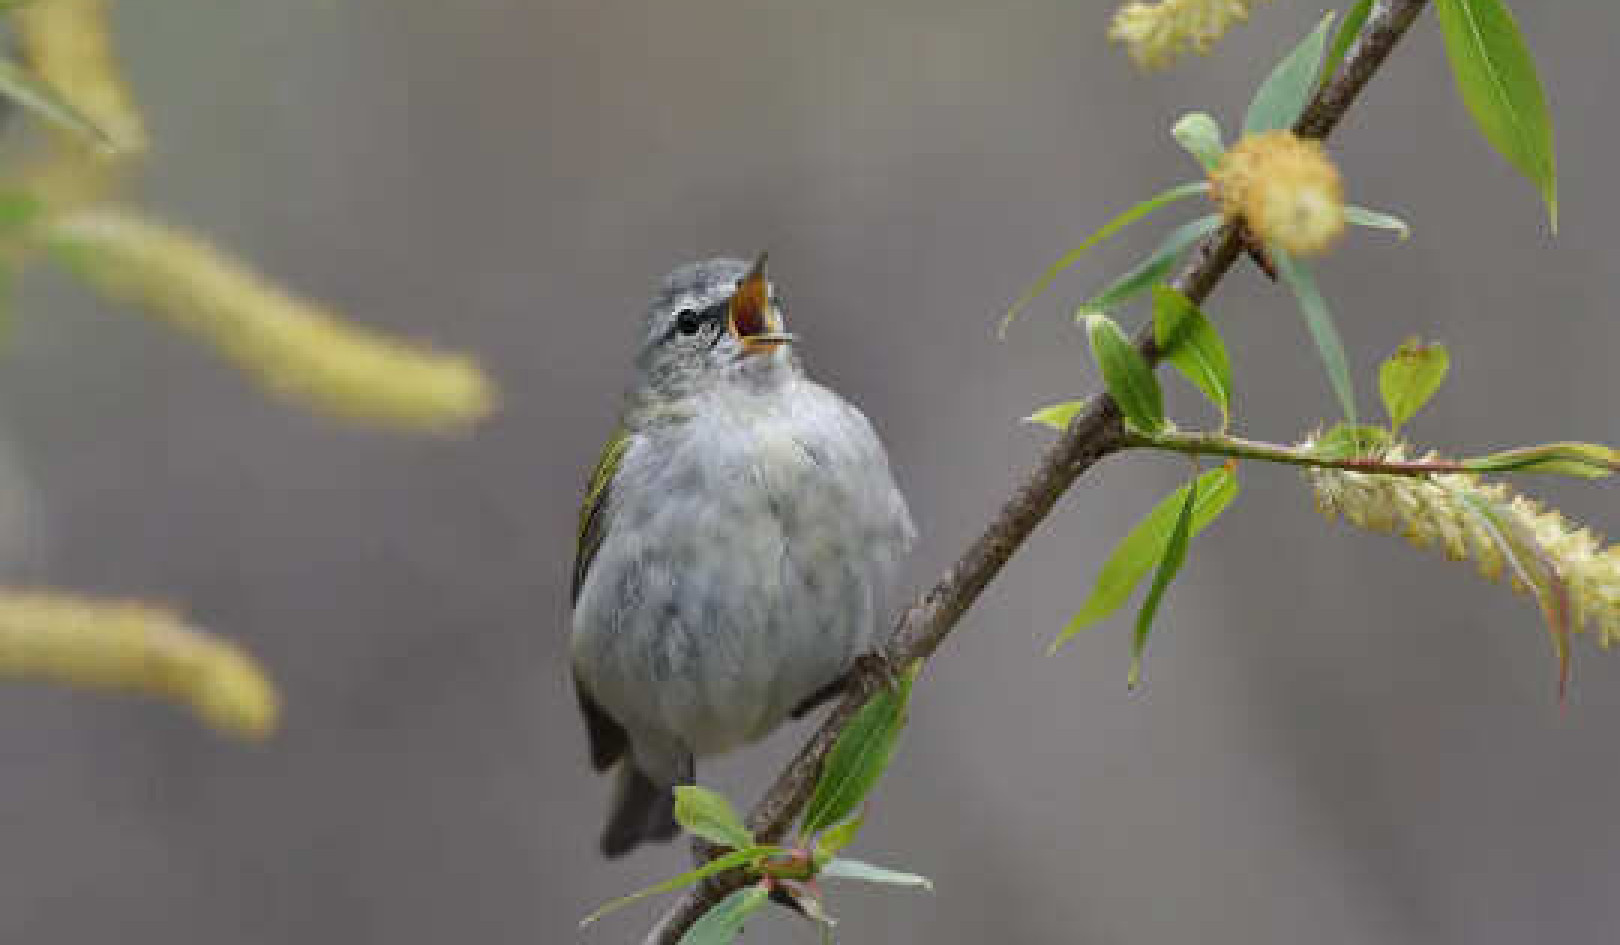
{"x": 738, "y": 543}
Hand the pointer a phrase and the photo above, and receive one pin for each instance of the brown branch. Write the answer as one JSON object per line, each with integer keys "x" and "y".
{"x": 1092, "y": 435}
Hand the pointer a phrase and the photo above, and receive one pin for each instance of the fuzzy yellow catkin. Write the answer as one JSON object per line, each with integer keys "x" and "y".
{"x": 298, "y": 350}
{"x": 133, "y": 647}
{"x": 1285, "y": 188}
{"x": 1429, "y": 513}
{"x": 68, "y": 44}
{"x": 1156, "y": 33}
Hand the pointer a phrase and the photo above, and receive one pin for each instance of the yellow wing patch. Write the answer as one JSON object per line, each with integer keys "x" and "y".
{"x": 593, "y": 514}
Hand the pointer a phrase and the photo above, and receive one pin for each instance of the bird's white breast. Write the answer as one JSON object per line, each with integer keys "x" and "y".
{"x": 749, "y": 552}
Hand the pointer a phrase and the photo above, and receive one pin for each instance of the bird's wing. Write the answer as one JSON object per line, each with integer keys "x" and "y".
{"x": 593, "y": 514}
{"x": 607, "y": 737}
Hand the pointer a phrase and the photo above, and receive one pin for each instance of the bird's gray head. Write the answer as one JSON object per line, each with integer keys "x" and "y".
{"x": 714, "y": 322}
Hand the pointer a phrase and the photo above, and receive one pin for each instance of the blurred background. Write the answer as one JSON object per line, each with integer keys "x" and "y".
{"x": 1341, "y": 739}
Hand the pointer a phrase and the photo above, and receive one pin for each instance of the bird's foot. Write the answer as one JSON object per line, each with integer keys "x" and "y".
{"x": 876, "y": 664}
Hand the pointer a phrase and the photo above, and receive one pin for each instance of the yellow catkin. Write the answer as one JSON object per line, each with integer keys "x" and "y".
{"x": 1285, "y": 188}
{"x": 68, "y": 44}
{"x": 133, "y": 647}
{"x": 1429, "y": 513}
{"x": 298, "y": 350}
{"x": 1156, "y": 33}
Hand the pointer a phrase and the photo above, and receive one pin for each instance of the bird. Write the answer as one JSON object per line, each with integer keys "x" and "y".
{"x": 738, "y": 543}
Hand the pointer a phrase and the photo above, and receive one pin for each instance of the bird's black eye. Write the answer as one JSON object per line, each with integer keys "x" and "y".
{"x": 687, "y": 322}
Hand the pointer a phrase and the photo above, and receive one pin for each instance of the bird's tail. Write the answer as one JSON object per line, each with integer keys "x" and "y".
{"x": 643, "y": 812}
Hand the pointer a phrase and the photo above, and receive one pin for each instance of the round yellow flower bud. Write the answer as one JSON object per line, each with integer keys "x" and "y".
{"x": 1285, "y": 188}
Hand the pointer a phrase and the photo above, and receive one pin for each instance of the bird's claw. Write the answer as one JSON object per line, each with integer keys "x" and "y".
{"x": 876, "y": 664}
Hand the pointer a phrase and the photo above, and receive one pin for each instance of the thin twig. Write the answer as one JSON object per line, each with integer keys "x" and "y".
{"x": 1092, "y": 435}
{"x": 1219, "y": 444}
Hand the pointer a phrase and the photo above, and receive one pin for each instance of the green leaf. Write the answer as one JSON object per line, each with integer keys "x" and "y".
{"x": 1137, "y": 212}
{"x": 1410, "y": 377}
{"x": 837, "y": 837}
{"x": 1188, "y": 340}
{"x": 8, "y": 289}
{"x": 709, "y": 815}
{"x": 47, "y": 103}
{"x": 1201, "y": 136}
{"x": 18, "y": 209}
{"x": 1282, "y": 97}
{"x": 1129, "y": 379}
{"x": 1344, "y": 37}
{"x": 1535, "y": 570}
{"x": 1361, "y": 216}
{"x": 860, "y": 756}
{"x": 719, "y": 864}
{"x": 1496, "y": 77}
{"x": 720, "y": 925}
{"x": 1154, "y": 268}
{"x": 1350, "y": 441}
{"x": 1138, "y": 551}
{"x": 1320, "y": 322}
{"x": 867, "y": 872}
{"x": 1585, "y": 460}
{"x": 1175, "y": 554}
{"x": 1057, "y": 416}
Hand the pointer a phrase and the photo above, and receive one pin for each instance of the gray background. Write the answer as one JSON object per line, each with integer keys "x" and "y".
{"x": 1342, "y": 739}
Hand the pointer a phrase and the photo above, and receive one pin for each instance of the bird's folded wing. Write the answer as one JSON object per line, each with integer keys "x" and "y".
{"x": 593, "y": 514}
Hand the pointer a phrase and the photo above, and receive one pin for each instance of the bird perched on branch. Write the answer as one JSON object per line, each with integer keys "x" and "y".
{"x": 737, "y": 546}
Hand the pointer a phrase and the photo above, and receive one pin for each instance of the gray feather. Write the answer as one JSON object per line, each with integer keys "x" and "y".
{"x": 754, "y": 540}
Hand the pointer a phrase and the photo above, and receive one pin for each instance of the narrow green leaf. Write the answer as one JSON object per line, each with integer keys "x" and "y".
{"x": 1282, "y": 97}
{"x": 715, "y": 866}
{"x": 1496, "y": 77}
{"x": 837, "y": 837}
{"x": 1154, "y": 268}
{"x": 1192, "y": 345}
{"x": 8, "y": 288}
{"x": 1535, "y": 570}
{"x": 855, "y": 869}
{"x": 1344, "y": 37}
{"x": 1409, "y": 377}
{"x": 1057, "y": 416}
{"x": 47, "y": 103}
{"x": 720, "y": 925}
{"x": 1320, "y": 322}
{"x": 709, "y": 815}
{"x": 1137, "y": 552}
{"x": 1585, "y": 460}
{"x": 1175, "y": 554}
{"x": 1201, "y": 136}
{"x": 859, "y": 757}
{"x": 807, "y": 900}
{"x": 1361, "y": 216}
{"x": 1137, "y": 212}
{"x": 1126, "y": 372}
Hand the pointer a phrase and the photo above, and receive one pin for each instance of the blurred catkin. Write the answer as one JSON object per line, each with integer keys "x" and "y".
{"x": 1431, "y": 511}
{"x": 133, "y": 647}
{"x": 68, "y": 44}
{"x": 297, "y": 349}
{"x": 1156, "y": 33}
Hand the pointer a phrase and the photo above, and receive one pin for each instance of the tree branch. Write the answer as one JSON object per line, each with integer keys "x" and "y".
{"x": 1093, "y": 434}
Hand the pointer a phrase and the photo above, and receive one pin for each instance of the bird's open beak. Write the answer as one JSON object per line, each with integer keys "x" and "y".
{"x": 750, "y": 316}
